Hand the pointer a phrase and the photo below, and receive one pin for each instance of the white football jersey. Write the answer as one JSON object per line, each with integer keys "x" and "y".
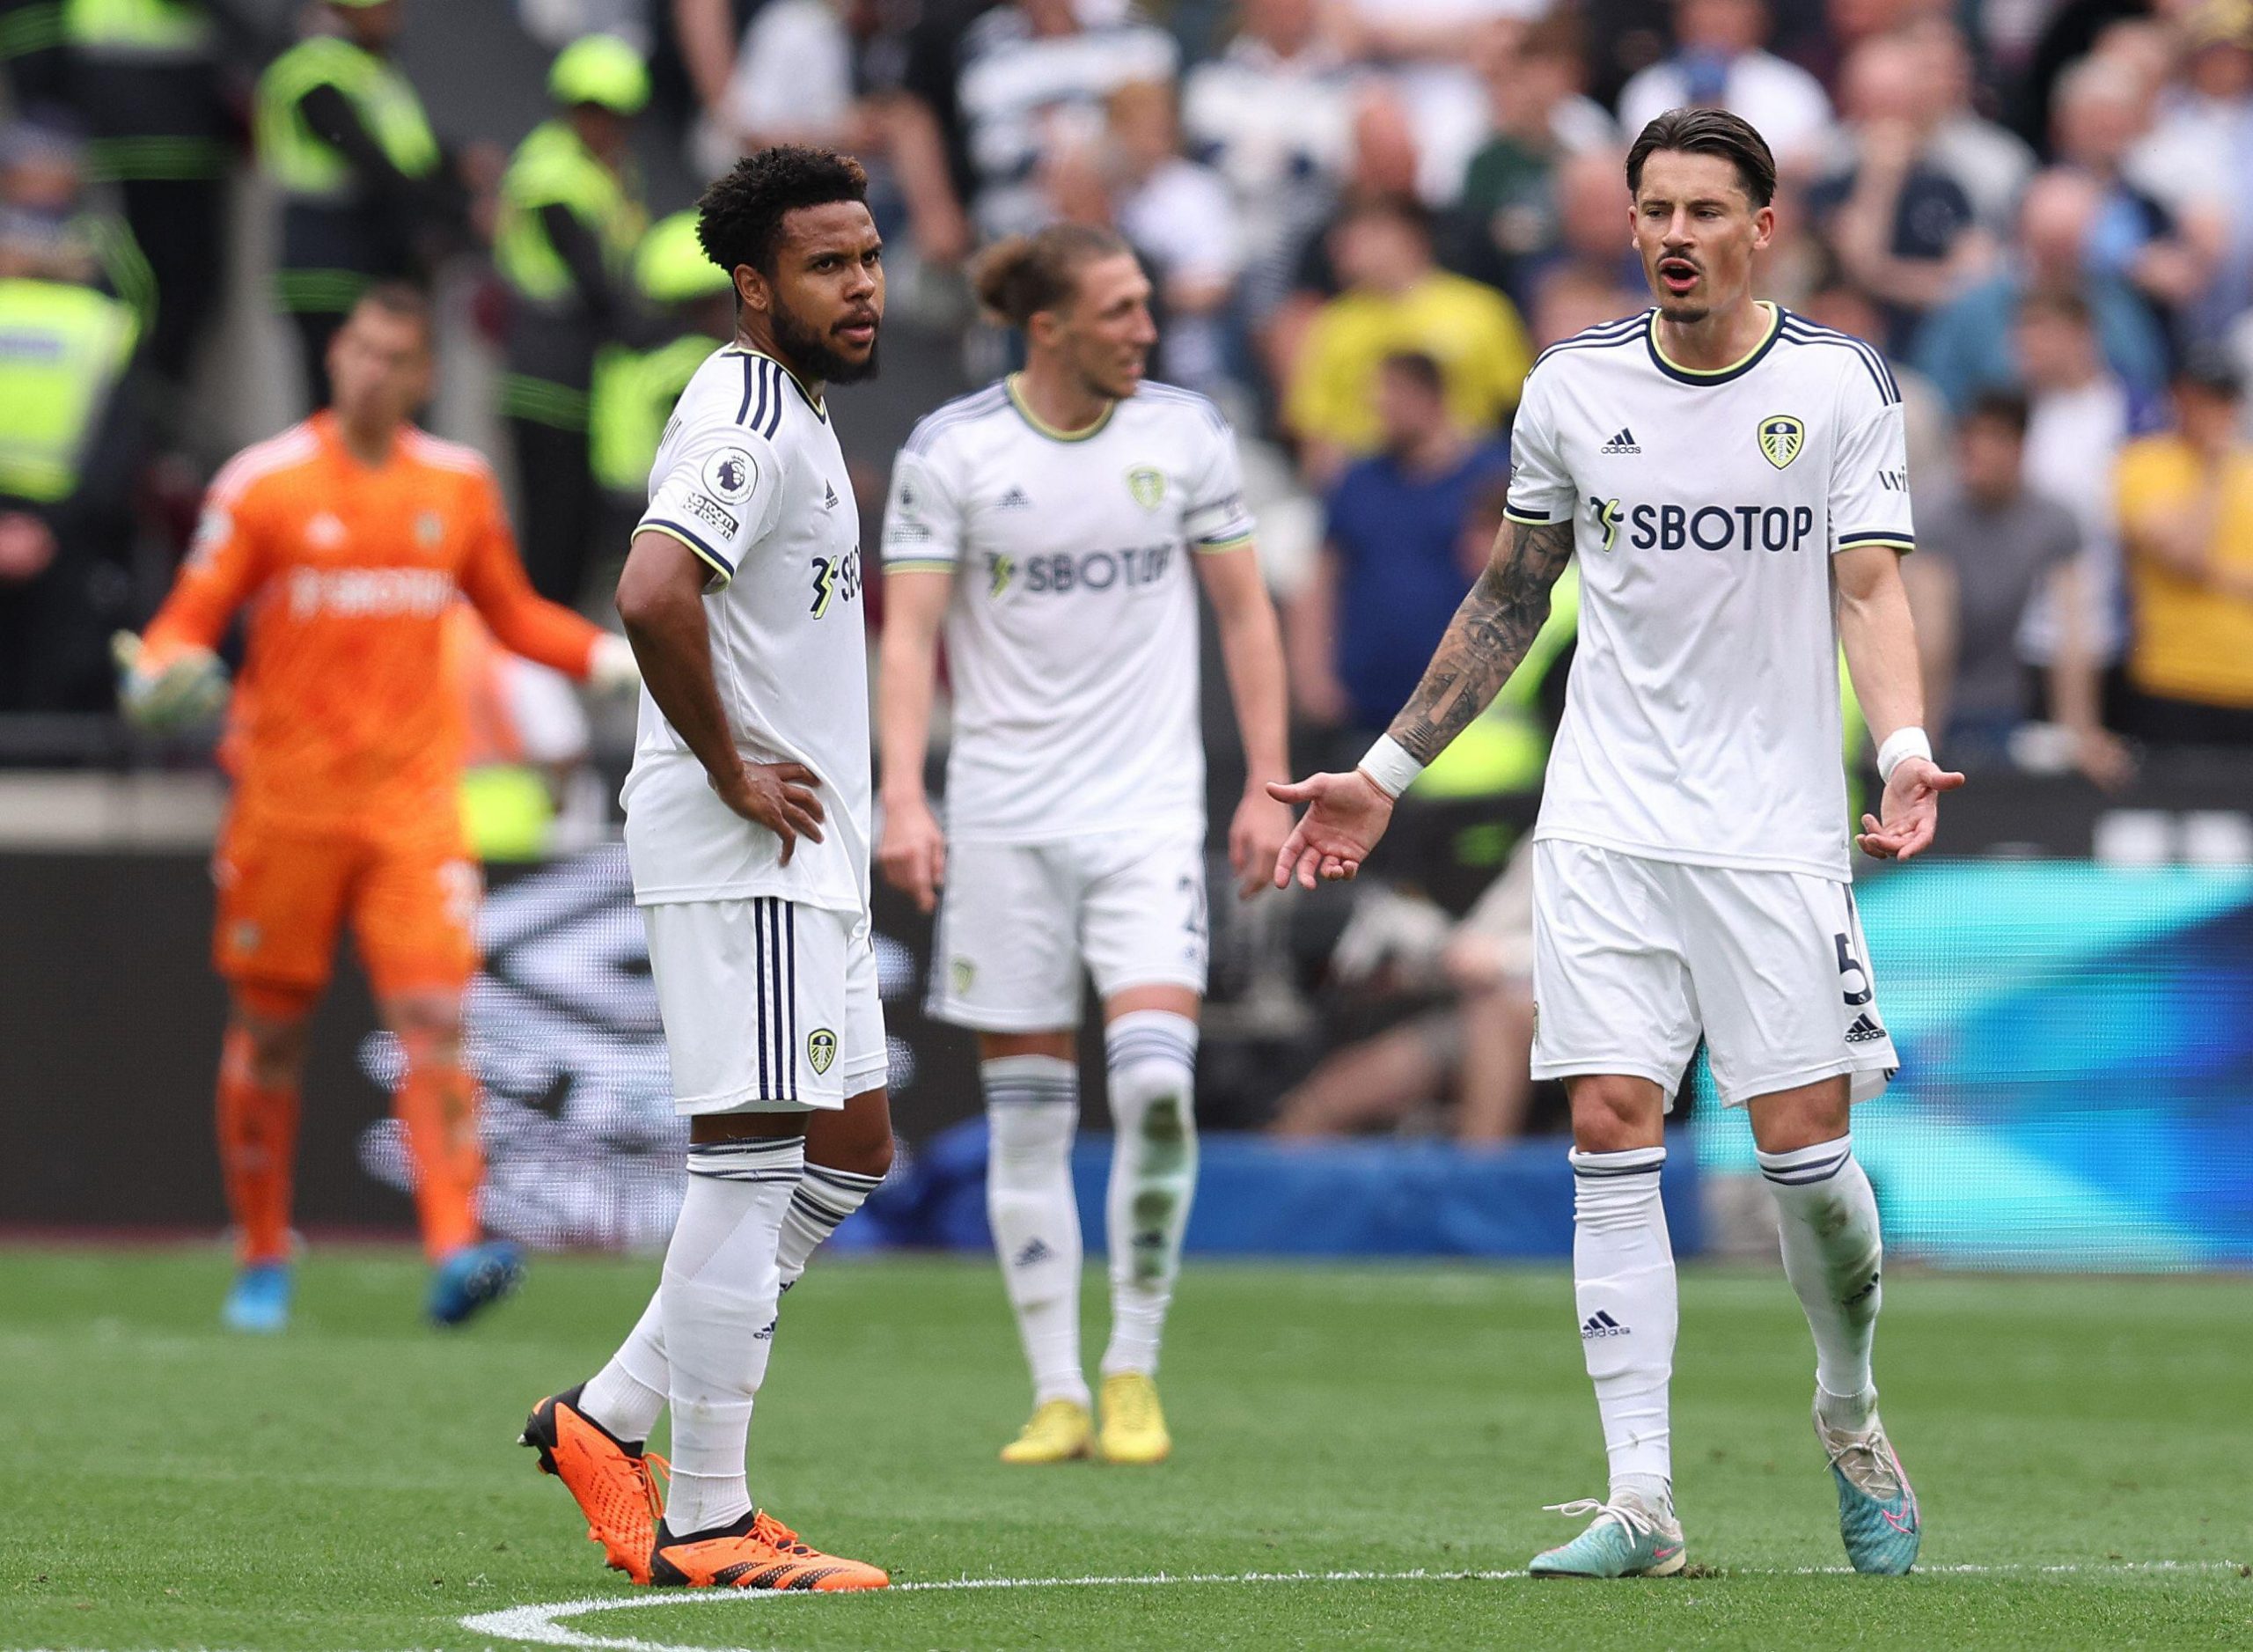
{"x": 749, "y": 477}
{"x": 1701, "y": 718}
{"x": 1072, "y": 634}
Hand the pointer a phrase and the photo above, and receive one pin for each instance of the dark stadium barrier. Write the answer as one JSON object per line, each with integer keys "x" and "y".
{"x": 2077, "y": 1089}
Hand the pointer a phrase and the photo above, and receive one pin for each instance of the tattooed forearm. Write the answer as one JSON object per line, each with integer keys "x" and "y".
{"x": 1487, "y": 637}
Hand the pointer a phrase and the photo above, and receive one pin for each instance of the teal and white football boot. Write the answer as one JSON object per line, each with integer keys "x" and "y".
{"x": 1625, "y": 1540}
{"x": 1877, "y": 1512}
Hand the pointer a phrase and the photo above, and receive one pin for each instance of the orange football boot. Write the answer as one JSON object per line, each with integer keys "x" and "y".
{"x": 611, "y": 1481}
{"x": 758, "y": 1551}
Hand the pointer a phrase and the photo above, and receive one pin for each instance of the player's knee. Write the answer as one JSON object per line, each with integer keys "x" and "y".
{"x": 1614, "y": 1113}
{"x": 1025, "y": 1137}
{"x": 867, "y": 1153}
{"x": 429, "y": 1025}
{"x": 270, "y": 1027}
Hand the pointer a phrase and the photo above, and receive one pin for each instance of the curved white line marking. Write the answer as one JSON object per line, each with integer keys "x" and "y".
{"x": 539, "y": 1625}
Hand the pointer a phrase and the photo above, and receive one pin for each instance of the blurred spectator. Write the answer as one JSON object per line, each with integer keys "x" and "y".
{"x": 1969, "y": 345}
{"x": 1393, "y": 568}
{"x": 571, "y": 215}
{"x": 68, "y": 452}
{"x": 1274, "y": 115}
{"x": 34, "y": 71}
{"x": 1034, "y": 79}
{"x": 2080, "y": 417}
{"x": 1719, "y": 61}
{"x": 1397, "y": 299}
{"x": 1475, "y": 1050}
{"x": 147, "y": 76}
{"x": 691, "y": 302}
{"x": 366, "y": 190}
{"x": 1986, "y": 544}
{"x": 1181, "y": 218}
{"x": 1903, "y": 227}
{"x": 42, "y": 177}
{"x": 2102, "y": 109}
{"x": 828, "y": 73}
{"x": 2200, "y": 152}
{"x": 1845, "y": 309}
{"x": 2186, "y": 512}
{"x": 1990, "y": 162}
{"x": 1538, "y": 117}
{"x": 798, "y": 74}
{"x": 1593, "y": 265}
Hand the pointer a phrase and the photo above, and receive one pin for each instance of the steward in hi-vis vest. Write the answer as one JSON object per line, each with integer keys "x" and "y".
{"x": 571, "y": 217}
{"x": 367, "y": 192}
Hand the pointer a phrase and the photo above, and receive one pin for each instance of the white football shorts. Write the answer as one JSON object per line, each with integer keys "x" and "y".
{"x": 768, "y": 1006}
{"x": 1634, "y": 958}
{"x": 1017, "y": 920}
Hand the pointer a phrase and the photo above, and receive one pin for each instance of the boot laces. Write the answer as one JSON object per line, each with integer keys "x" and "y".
{"x": 1637, "y": 1521}
{"x": 1866, "y": 1459}
{"x": 652, "y": 1466}
{"x": 775, "y": 1534}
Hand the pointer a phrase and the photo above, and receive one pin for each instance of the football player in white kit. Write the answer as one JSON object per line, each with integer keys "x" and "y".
{"x": 747, "y": 820}
{"x": 1733, "y": 482}
{"x": 1049, "y": 525}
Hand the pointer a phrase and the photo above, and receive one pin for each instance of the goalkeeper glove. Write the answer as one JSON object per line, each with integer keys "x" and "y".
{"x": 189, "y": 689}
{"x": 612, "y": 668}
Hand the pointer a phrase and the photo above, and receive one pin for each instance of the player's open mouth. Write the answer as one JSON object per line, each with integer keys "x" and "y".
{"x": 1678, "y": 274}
{"x": 858, "y": 332}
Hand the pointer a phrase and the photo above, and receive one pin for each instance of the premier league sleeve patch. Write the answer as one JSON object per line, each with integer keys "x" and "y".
{"x": 731, "y": 474}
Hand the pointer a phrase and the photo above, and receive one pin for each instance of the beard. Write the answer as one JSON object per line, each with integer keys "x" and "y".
{"x": 811, "y": 352}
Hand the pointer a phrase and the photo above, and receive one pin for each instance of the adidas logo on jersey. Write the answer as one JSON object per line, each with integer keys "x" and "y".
{"x": 1600, "y": 1324}
{"x": 1622, "y": 443}
{"x": 830, "y": 501}
{"x": 1013, "y": 500}
{"x": 1864, "y": 1030}
{"x": 1035, "y": 1250}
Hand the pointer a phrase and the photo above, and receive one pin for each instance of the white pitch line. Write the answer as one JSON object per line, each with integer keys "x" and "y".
{"x": 539, "y": 1626}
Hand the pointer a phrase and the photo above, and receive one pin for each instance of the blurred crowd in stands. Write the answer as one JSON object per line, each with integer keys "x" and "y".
{"x": 1364, "y": 218}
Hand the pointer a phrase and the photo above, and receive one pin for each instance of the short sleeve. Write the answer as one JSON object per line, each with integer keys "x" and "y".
{"x": 1869, "y": 478}
{"x": 922, "y": 519}
{"x": 1541, "y": 489}
{"x": 719, "y": 496}
{"x": 1216, "y": 518}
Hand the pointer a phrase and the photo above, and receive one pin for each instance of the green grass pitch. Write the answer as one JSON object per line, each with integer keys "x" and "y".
{"x": 2081, "y": 1447}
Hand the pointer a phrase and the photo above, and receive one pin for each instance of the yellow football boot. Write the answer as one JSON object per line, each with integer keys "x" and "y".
{"x": 1061, "y": 1431}
{"x": 1133, "y": 1427}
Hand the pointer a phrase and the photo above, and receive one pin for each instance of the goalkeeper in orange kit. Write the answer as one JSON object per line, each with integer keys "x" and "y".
{"x": 347, "y": 540}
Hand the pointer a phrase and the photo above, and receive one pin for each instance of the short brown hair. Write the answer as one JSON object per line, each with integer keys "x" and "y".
{"x": 406, "y": 302}
{"x": 1020, "y": 275}
{"x": 1708, "y": 132}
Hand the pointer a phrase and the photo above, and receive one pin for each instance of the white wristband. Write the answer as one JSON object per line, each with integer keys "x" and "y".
{"x": 1389, "y": 766}
{"x": 1910, "y": 742}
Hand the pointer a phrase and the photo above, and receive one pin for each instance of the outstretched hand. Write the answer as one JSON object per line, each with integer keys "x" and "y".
{"x": 1909, "y": 812}
{"x": 1345, "y": 816}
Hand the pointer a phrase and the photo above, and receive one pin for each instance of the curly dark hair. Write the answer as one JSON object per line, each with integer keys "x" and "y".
{"x": 740, "y": 217}
{"x": 1708, "y": 132}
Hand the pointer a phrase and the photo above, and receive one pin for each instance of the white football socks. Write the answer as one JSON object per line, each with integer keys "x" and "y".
{"x": 628, "y": 1394}
{"x": 1624, "y": 1291}
{"x": 1152, "y": 1057}
{"x": 1033, "y": 1112}
{"x": 717, "y": 1298}
{"x": 824, "y": 1199}
{"x": 1833, "y": 1255}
